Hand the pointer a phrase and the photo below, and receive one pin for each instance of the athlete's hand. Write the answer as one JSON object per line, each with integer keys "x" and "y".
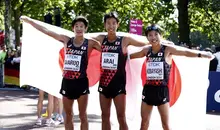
{"x": 207, "y": 55}
{"x": 25, "y": 19}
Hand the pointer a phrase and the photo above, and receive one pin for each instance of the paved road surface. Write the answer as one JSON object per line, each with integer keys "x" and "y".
{"x": 18, "y": 112}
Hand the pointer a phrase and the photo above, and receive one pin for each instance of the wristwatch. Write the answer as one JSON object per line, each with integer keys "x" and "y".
{"x": 199, "y": 55}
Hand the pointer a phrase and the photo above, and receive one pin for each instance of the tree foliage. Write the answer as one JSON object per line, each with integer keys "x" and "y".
{"x": 204, "y": 15}
{"x": 1, "y": 14}
{"x": 205, "y": 18}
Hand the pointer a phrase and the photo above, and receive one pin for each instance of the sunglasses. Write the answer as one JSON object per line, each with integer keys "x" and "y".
{"x": 152, "y": 28}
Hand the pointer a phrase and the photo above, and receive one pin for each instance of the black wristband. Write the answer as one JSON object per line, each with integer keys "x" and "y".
{"x": 199, "y": 54}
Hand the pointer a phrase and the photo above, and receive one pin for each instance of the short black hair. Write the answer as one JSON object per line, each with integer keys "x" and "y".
{"x": 111, "y": 15}
{"x": 80, "y": 19}
{"x": 153, "y": 27}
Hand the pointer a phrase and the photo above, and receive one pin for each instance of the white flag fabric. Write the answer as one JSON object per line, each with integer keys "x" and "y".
{"x": 188, "y": 113}
{"x": 39, "y": 60}
{"x": 40, "y": 68}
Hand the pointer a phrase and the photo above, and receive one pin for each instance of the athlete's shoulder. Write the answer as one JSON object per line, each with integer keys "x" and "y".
{"x": 172, "y": 47}
{"x": 92, "y": 40}
{"x": 126, "y": 38}
{"x": 147, "y": 47}
{"x": 64, "y": 38}
{"x": 69, "y": 40}
{"x": 100, "y": 37}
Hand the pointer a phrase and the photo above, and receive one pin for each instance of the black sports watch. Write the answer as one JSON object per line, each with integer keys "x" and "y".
{"x": 199, "y": 55}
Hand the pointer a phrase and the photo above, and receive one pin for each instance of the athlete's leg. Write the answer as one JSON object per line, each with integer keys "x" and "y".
{"x": 146, "y": 111}
{"x": 105, "y": 104}
{"x": 164, "y": 114}
{"x": 120, "y": 105}
{"x": 68, "y": 109}
{"x": 82, "y": 104}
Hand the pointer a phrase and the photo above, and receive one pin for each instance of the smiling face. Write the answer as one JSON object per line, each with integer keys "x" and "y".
{"x": 153, "y": 37}
{"x": 79, "y": 28}
{"x": 80, "y": 25}
{"x": 111, "y": 25}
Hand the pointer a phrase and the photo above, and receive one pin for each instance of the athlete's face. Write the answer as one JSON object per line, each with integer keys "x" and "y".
{"x": 153, "y": 37}
{"x": 79, "y": 28}
{"x": 111, "y": 25}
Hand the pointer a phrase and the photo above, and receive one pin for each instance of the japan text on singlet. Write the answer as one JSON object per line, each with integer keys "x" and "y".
{"x": 76, "y": 60}
{"x": 158, "y": 69}
{"x": 112, "y": 61}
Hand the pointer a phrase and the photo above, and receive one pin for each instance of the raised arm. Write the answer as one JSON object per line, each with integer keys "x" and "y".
{"x": 167, "y": 42}
{"x": 139, "y": 54}
{"x": 181, "y": 51}
{"x": 59, "y": 37}
{"x": 135, "y": 42}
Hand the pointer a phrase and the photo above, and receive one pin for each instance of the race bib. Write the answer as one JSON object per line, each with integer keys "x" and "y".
{"x": 109, "y": 60}
{"x": 72, "y": 62}
{"x": 155, "y": 71}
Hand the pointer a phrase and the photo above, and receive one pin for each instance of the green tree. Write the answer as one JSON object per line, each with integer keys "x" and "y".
{"x": 202, "y": 16}
{"x": 7, "y": 21}
{"x": 150, "y": 11}
{"x": 183, "y": 20}
{"x": 205, "y": 17}
{"x": 33, "y": 9}
{"x": 199, "y": 15}
{"x": 2, "y": 9}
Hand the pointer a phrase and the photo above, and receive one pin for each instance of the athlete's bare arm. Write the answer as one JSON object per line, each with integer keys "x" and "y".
{"x": 95, "y": 44}
{"x": 63, "y": 38}
{"x": 99, "y": 38}
{"x": 181, "y": 51}
{"x": 132, "y": 41}
{"x": 140, "y": 54}
{"x": 127, "y": 40}
{"x": 167, "y": 42}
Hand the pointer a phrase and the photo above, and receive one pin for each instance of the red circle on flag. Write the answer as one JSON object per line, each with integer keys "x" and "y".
{"x": 174, "y": 84}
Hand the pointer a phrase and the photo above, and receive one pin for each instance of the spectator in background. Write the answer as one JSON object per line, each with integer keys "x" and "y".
{"x": 10, "y": 55}
{"x": 2, "y": 61}
{"x": 214, "y": 62}
{"x": 3, "y": 54}
{"x": 195, "y": 47}
{"x": 213, "y": 48}
{"x": 16, "y": 58}
{"x": 217, "y": 55}
{"x": 217, "y": 49}
{"x": 49, "y": 120}
{"x": 183, "y": 44}
{"x": 58, "y": 110}
{"x": 2, "y": 37}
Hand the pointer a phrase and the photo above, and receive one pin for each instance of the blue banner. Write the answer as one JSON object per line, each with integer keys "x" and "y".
{"x": 213, "y": 94}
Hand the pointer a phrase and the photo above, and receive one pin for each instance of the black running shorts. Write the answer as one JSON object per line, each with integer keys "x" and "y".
{"x": 74, "y": 88}
{"x": 112, "y": 90}
{"x": 155, "y": 95}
